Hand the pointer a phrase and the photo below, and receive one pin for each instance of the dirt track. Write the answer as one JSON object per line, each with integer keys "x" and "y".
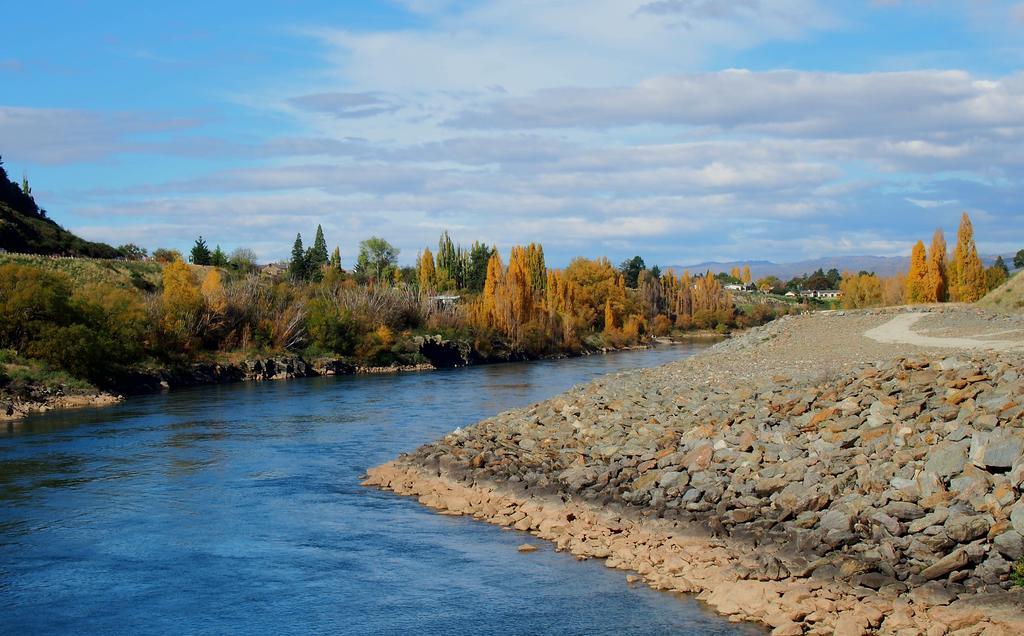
{"x": 900, "y": 330}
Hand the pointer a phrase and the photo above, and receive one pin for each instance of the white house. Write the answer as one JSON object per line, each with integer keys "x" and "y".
{"x": 827, "y": 294}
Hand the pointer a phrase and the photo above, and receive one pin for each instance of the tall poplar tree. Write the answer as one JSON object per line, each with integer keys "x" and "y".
{"x": 609, "y": 316}
{"x": 449, "y": 261}
{"x": 918, "y": 274}
{"x": 537, "y": 268}
{"x": 426, "y": 273}
{"x": 492, "y": 288}
{"x": 935, "y": 284}
{"x": 970, "y": 283}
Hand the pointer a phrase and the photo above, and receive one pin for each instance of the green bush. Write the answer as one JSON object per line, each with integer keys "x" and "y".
{"x": 89, "y": 335}
{"x": 330, "y": 331}
{"x": 74, "y": 348}
{"x": 30, "y": 300}
{"x": 1017, "y": 573}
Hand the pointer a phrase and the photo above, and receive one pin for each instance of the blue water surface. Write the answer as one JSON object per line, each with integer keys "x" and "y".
{"x": 237, "y": 509}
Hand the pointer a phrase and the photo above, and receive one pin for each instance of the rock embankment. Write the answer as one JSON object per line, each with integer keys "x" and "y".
{"x": 41, "y": 400}
{"x": 843, "y": 496}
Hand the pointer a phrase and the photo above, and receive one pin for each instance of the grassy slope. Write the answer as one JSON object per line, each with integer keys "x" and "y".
{"x": 83, "y": 271}
{"x": 1008, "y": 297}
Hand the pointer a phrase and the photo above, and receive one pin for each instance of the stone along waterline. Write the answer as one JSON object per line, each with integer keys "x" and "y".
{"x": 238, "y": 508}
{"x": 814, "y": 494}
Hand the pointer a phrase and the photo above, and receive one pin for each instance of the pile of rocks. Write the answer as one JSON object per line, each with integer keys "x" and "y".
{"x": 901, "y": 480}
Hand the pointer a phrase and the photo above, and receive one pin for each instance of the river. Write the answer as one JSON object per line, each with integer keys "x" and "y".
{"x": 238, "y": 509}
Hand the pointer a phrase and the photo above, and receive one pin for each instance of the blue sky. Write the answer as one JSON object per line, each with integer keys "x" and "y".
{"x": 681, "y": 130}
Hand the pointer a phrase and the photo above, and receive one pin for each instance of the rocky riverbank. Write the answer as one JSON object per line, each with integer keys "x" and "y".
{"x": 802, "y": 476}
{"x": 16, "y": 407}
{"x": 438, "y": 353}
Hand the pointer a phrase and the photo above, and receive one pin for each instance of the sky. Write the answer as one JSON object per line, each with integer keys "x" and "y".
{"x": 680, "y": 130}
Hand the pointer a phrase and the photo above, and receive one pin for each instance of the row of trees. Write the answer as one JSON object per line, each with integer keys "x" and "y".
{"x": 454, "y": 267}
{"x": 313, "y": 263}
{"x": 936, "y": 277}
{"x": 371, "y": 313}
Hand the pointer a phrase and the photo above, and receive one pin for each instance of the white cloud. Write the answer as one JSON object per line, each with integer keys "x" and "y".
{"x": 523, "y": 45}
{"x": 781, "y": 103}
{"x": 930, "y": 203}
{"x": 345, "y": 105}
{"x": 60, "y": 135}
{"x": 581, "y": 123}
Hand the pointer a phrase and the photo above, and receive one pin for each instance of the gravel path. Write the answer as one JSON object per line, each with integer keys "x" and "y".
{"x": 900, "y": 330}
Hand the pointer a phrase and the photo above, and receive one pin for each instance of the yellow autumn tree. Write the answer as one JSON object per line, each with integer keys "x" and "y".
{"x": 683, "y": 304}
{"x": 609, "y": 317}
{"x": 560, "y": 303}
{"x": 860, "y": 290}
{"x": 519, "y": 289}
{"x": 918, "y": 274}
{"x": 893, "y": 289}
{"x": 492, "y": 289}
{"x": 967, "y": 281}
{"x": 595, "y": 282}
{"x": 747, "y": 278}
{"x": 213, "y": 293}
{"x": 537, "y": 268}
{"x": 736, "y": 273}
{"x": 994, "y": 277}
{"x": 708, "y": 295}
{"x": 935, "y": 280}
{"x": 181, "y": 300}
{"x": 426, "y": 273}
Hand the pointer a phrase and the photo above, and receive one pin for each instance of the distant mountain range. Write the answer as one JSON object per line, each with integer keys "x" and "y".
{"x": 881, "y": 265}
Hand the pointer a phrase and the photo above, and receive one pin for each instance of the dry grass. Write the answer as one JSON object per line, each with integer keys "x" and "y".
{"x": 85, "y": 271}
{"x": 1008, "y": 297}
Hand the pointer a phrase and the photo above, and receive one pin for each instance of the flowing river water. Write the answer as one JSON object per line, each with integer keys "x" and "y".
{"x": 238, "y": 509}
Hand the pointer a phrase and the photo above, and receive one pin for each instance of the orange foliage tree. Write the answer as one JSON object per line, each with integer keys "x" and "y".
{"x": 861, "y": 290}
{"x": 967, "y": 281}
{"x": 426, "y": 273}
{"x": 935, "y": 281}
{"x": 182, "y": 300}
{"x": 918, "y": 274}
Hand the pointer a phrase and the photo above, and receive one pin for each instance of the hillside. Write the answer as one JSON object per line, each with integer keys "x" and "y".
{"x": 24, "y": 227}
{"x": 1008, "y": 297}
{"x": 144, "y": 275}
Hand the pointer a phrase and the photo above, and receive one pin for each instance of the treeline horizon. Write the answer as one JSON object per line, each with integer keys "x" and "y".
{"x": 223, "y": 305}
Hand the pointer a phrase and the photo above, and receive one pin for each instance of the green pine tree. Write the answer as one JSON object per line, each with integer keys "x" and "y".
{"x": 297, "y": 266}
{"x": 218, "y": 258}
{"x": 200, "y": 254}
{"x": 318, "y": 252}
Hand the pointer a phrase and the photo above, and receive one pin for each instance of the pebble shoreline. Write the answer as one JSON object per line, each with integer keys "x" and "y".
{"x": 876, "y": 490}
